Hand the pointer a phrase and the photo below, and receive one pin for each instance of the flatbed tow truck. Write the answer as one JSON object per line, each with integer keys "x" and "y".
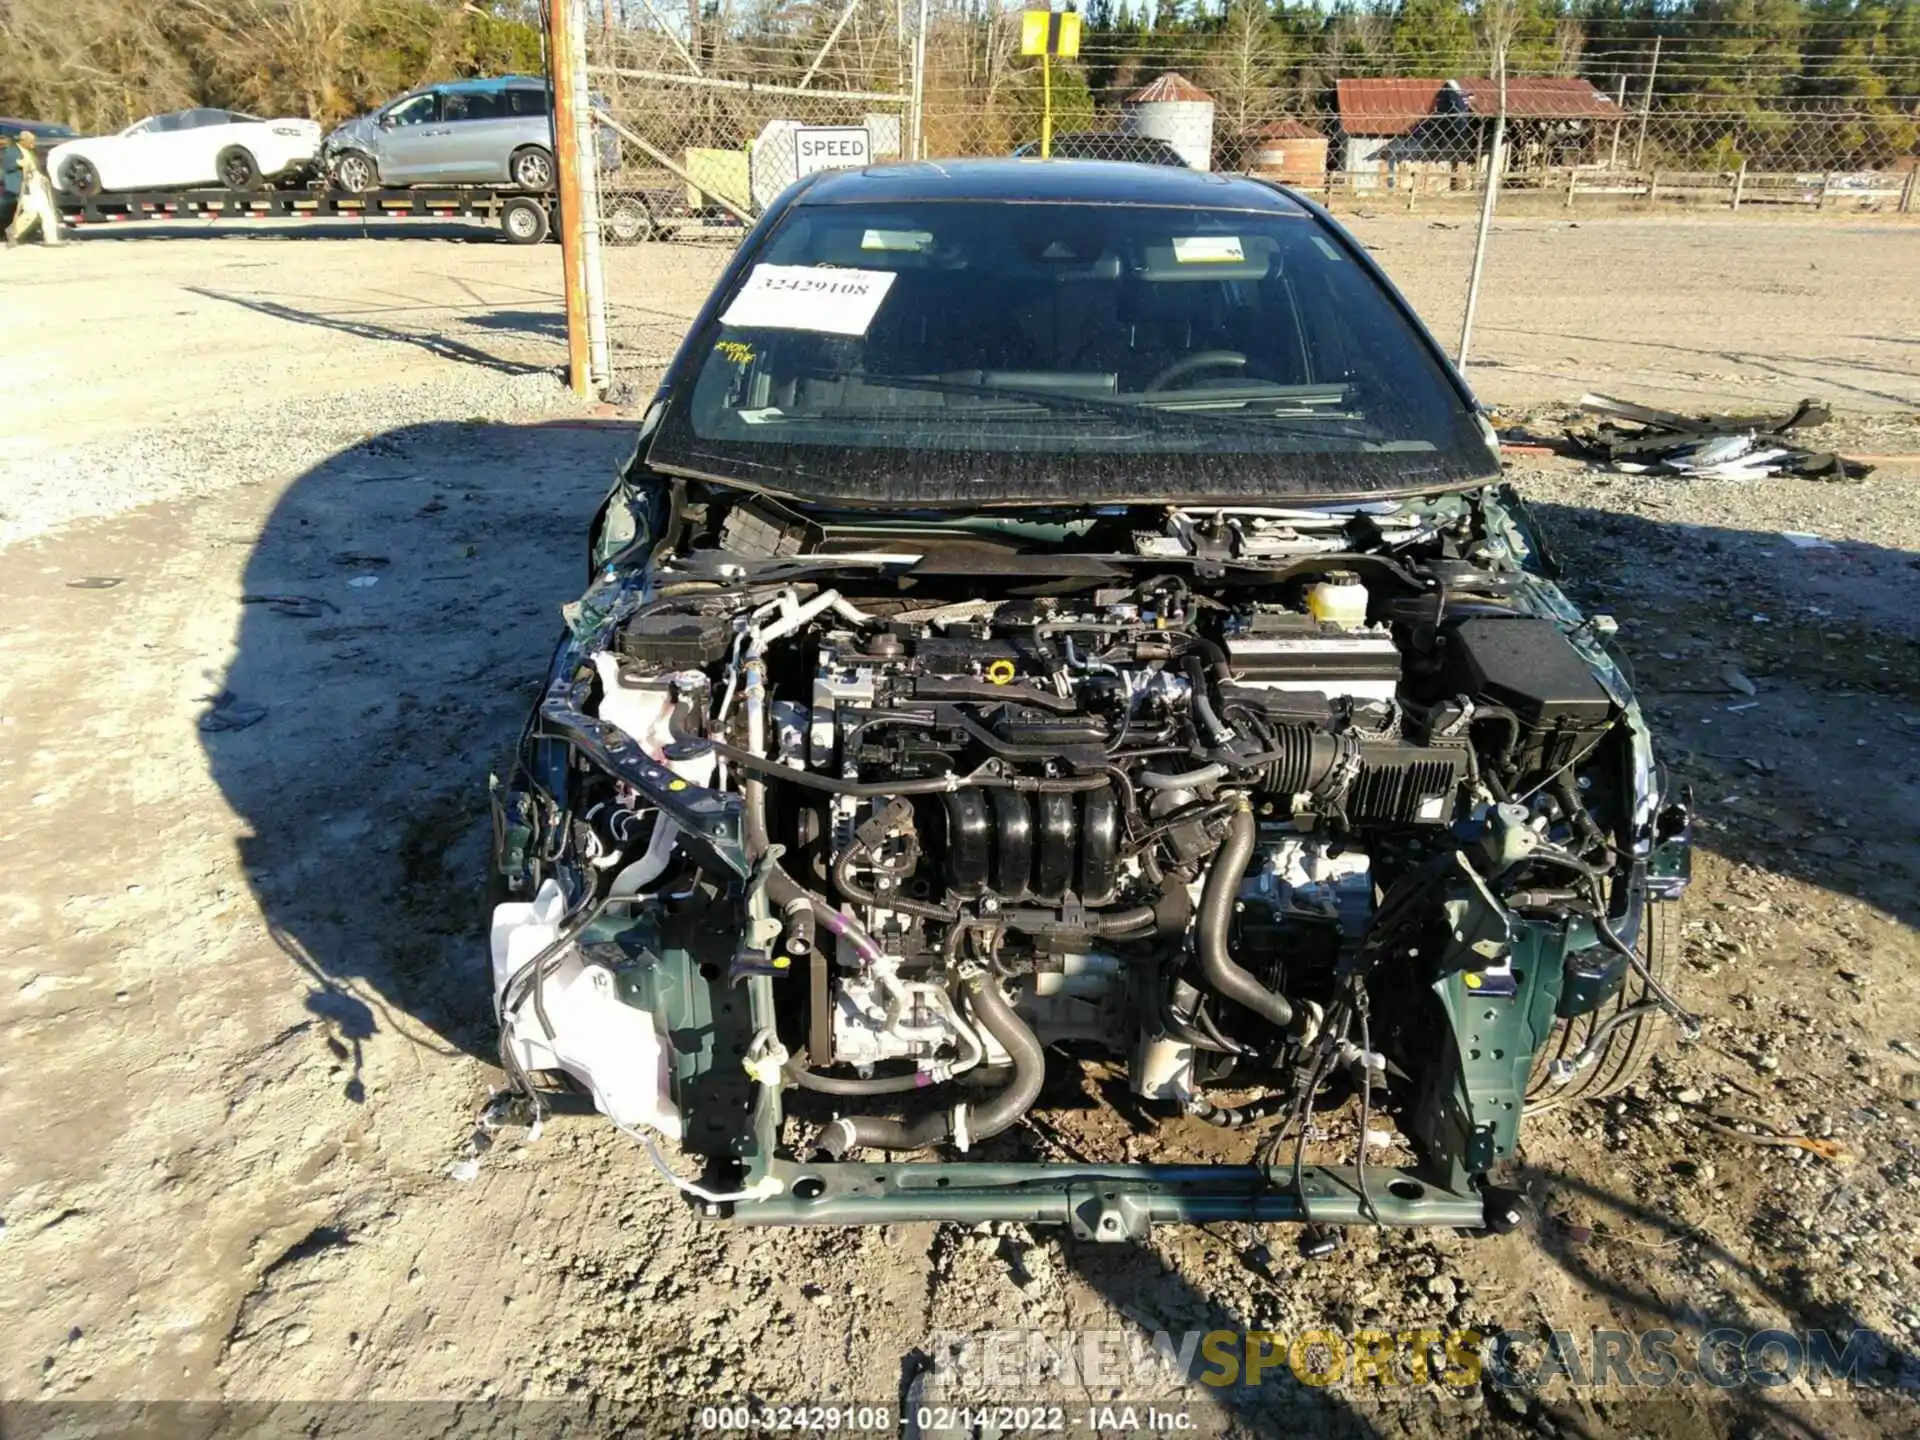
{"x": 524, "y": 217}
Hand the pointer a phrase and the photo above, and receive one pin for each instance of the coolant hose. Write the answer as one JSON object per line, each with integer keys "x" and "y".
{"x": 802, "y": 1074}
{"x": 1216, "y": 915}
{"x": 1016, "y": 1037}
{"x": 998, "y": 1017}
{"x": 1183, "y": 779}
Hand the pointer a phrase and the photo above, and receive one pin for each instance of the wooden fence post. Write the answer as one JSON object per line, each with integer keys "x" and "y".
{"x": 1653, "y": 185}
{"x": 1739, "y": 183}
{"x": 1573, "y": 178}
{"x": 1826, "y": 182}
{"x": 1906, "y": 190}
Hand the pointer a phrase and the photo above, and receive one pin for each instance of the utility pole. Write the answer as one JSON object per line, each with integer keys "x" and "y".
{"x": 1495, "y": 163}
{"x": 1646, "y": 104}
{"x": 920, "y": 85}
{"x": 561, "y": 21}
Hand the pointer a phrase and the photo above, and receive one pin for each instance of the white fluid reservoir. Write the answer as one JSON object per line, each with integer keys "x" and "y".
{"x": 607, "y": 1045}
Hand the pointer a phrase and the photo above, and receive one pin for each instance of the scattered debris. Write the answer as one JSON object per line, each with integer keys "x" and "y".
{"x": 95, "y": 582}
{"x": 1636, "y": 439}
{"x": 1800, "y": 540}
{"x": 1737, "y": 682}
{"x": 299, "y": 607}
{"x": 230, "y": 712}
{"x": 360, "y": 557}
{"x": 1761, "y": 1133}
{"x": 363, "y": 582}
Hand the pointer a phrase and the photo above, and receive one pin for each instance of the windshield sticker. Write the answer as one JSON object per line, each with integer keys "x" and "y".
{"x": 805, "y": 297}
{"x": 1207, "y": 250}
{"x": 737, "y": 351}
{"x": 912, "y": 241}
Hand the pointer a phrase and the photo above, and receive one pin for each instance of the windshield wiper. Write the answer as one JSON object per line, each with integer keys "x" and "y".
{"x": 1057, "y": 400}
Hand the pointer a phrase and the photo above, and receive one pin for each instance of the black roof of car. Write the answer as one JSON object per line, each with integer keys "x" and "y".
{"x": 1086, "y": 182}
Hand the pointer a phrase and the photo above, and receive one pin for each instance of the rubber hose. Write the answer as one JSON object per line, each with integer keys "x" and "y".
{"x": 996, "y": 1013}
{"x": 880, "y": 1133}
{"x": 1216, "y": 915}
{"x": 1182, "y": 780}
{"x": 1218, "y": 665}
{"x": 808, "y": 1079}
{"x": 1218, "y": 732}
{"x": 854, "y": 890}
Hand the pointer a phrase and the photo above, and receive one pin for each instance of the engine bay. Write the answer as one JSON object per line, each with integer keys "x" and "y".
{"x": 817, "y": 852}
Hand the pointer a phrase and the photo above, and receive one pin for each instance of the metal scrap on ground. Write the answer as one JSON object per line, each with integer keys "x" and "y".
{"x": 1636, "y": 439}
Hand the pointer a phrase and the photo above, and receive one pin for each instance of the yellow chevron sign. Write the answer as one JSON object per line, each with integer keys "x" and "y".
{"x": 1048, "y": 32}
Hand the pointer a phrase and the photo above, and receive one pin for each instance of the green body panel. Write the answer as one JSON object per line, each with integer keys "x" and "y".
{"x": 1497, "y": 987}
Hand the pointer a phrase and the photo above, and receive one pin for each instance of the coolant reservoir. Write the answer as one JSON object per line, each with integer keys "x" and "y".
{"x": 1339, "y": 599}
{"x": 610, "y": 1047}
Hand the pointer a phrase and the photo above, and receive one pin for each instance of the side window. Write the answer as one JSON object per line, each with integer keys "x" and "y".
{"x": 458, "y": 105}
{"x": 527, "y": 101}
{"x": 420, "y": 110}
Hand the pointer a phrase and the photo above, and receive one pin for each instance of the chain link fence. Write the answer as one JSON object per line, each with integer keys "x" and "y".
{"x": 717, "y": 113}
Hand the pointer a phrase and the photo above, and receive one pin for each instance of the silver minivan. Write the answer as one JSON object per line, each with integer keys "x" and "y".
{"x": 463, "y": 132}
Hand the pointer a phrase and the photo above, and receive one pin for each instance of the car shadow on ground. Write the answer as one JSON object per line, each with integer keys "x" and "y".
{"x": 400, "y": 602}
{"x": 1739, "y": 1298}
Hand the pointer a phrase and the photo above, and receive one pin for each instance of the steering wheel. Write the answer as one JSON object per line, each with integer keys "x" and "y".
{"x": 1195, "y": 364}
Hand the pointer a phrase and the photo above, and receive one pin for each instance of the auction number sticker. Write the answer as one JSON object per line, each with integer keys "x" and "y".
{"x": 1207, "y": 250}
{"x": 807, "y": 297}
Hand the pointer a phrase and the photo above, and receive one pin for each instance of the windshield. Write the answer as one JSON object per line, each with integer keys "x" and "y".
{"x": 991, "y": 352}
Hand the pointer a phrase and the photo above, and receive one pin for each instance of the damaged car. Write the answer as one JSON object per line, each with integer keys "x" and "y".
{"x": 1062, "y": 640}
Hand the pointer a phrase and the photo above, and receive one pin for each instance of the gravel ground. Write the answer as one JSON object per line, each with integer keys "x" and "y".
{"x": 278, "y": 351}
{"x": 243, "y": 1035}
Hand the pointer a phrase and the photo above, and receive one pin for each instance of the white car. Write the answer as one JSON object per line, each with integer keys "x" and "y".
{"x": 186, "y": 147}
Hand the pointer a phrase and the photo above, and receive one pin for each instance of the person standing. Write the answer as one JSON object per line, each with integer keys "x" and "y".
{"x": 36, "y": 210}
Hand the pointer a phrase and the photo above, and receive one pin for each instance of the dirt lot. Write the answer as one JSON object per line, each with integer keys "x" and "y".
{"x": 244, "y": 993}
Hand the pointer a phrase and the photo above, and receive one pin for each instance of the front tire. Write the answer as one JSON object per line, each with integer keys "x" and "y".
{"x": 531, "y": 168}
{"x": 78, "y": 177}
{"x": 1624, "y": 1052}
{"x": 356, "y": 173}
{"x": 237, "y": 169}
